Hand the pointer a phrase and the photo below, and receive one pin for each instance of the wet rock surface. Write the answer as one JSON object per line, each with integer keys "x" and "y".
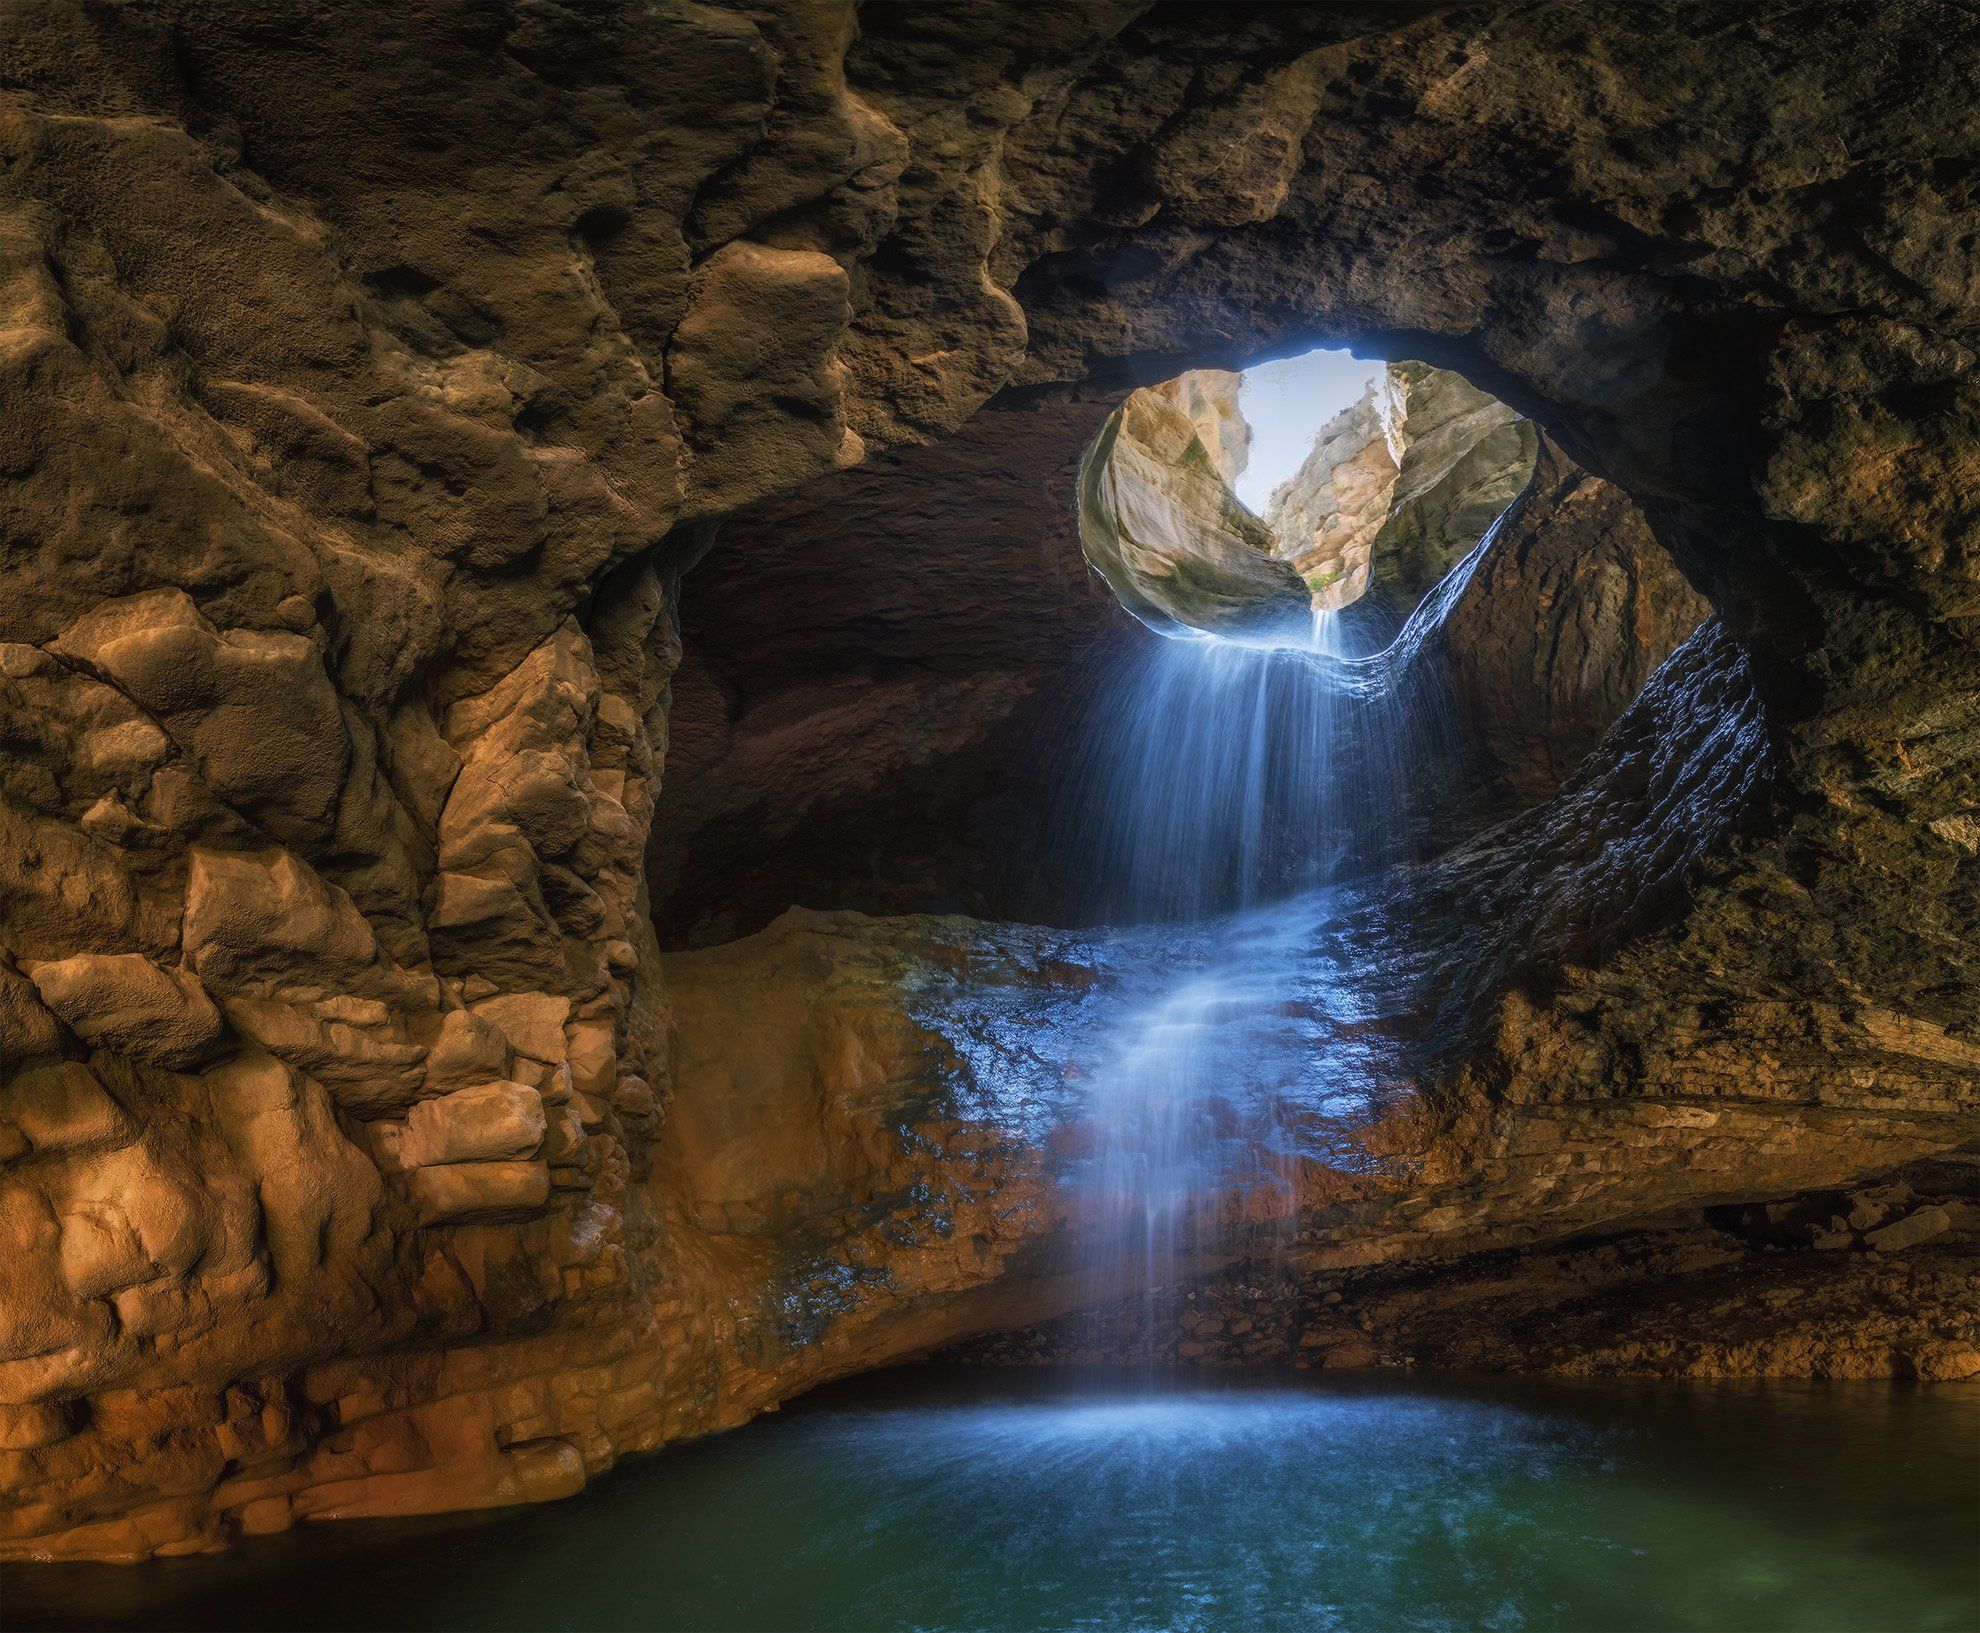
{"x": 1682, "y": 1299}
{"x": 374, "y": 379}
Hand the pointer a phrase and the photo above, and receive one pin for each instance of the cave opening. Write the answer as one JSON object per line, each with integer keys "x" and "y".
{"x": 1211, "y": 500}
{"x": 658, "y": 760}
{"x": 954, "y": 741}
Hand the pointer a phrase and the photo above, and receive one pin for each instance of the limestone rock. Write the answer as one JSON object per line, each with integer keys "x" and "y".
{"x": 29, "y": 1427}
{"x": 533, "y": 1022}
{"x": 469, "y": 1125}
{"x": 1566, "y": 616}
{"x": 466, "y": 1046}
{"x": 1325, "y": 517}
{"x": 125, "y": 1002}
{"x": 1399, "y": 487}
{"x": 468, "y": 1192}
{"x": 1464, "y": 458}
{"x": 26, "y": 1026}
{"x": 254, "y": 708}
{"x": 369, "y": 1070}
{"x": 1918, "y": 1226}
{"x": 1160, "y": 523}
{"x": 258, "y": 921}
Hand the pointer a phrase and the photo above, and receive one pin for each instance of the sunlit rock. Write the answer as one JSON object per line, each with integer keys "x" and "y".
{"x": 1159, "y": 520}
{"x": 1399, "y": 487}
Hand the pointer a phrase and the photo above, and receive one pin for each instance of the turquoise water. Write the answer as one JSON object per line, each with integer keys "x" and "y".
{"x": 975, "y": 1500}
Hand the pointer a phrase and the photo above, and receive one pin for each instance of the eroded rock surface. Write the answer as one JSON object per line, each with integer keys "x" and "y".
{"x": 1160, "y": 521}
{"x": 1398, "y": 488}
{"x": 1569, "y": 612}
{"x": 372, "y": 378}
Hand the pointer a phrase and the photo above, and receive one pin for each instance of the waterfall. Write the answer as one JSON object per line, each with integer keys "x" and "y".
{"x": 1233, "y": 797}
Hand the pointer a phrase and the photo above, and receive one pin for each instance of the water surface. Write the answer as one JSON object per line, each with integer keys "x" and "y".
{"x": 982, "y": 1500}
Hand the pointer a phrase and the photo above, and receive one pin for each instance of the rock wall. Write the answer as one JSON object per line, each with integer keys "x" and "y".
{"x": 372, "y": 378}
{"x": 1569, "y": 612}
{"x": 1159, "y": 520}
{"x": 880, "y": 675}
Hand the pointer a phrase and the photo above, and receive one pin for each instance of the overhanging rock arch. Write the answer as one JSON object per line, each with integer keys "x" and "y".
{"x": 365, "y": 427}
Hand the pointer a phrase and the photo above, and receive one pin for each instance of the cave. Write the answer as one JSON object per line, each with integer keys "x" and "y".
{"x": 898, "y": 815}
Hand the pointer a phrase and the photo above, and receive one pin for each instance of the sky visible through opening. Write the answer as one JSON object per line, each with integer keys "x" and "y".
{"x": 1285, "y": 404}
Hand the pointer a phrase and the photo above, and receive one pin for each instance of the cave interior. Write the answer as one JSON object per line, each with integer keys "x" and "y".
{"x": 707, "y": 702}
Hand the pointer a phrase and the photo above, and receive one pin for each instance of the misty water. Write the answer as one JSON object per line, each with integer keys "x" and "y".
{"x": 1241, "y": 792}
{"x": 952, "y": 1501}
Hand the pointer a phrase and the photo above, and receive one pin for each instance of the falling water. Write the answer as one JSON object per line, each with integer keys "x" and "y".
{"x": 1239, "y": 793}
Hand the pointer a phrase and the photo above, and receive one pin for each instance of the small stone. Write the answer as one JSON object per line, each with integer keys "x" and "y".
{"x": 1865, "y": 1214}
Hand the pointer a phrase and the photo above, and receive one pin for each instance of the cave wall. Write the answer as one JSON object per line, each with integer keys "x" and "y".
{"x": 373, "y": 375}
{"x": 878, "y": 679}
{"x": 1571, "y": 609}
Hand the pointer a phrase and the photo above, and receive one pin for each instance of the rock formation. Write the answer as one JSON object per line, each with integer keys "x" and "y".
{"x": 1160, "y": 521}
{"x": 1398, "y": 487}
{"x": 1572, "y": 609}
{"x": 374, "y": 376}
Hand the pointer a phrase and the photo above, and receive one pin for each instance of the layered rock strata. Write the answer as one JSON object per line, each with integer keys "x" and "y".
{"x": 1572, "y": 608}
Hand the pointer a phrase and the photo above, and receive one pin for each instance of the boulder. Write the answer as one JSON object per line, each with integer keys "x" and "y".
{"x": 123, "y": 1001}
{"x": 470, "y": 1125}
{"x": 1913, "y": 1228}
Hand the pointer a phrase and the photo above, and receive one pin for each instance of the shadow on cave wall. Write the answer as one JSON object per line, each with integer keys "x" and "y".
{"x": 892, "y": 685}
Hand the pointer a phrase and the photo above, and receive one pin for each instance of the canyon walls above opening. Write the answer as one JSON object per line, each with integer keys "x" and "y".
{"x": 373, "y": 377}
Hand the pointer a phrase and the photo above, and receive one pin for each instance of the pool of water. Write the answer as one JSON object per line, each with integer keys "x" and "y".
{"x": 978, "y": 1500}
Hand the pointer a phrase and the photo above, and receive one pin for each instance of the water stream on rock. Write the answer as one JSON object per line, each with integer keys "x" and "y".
{"x": 1244, "y": 790}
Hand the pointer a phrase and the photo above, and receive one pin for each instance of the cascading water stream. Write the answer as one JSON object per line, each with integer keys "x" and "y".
{"x": 1238, "y": 793}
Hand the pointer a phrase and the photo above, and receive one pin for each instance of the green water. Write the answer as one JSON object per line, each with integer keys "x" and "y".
{"x": 994, "y": 1500}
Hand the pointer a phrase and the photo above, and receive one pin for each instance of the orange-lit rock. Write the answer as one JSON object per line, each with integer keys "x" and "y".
{"x": 383, "y": 385}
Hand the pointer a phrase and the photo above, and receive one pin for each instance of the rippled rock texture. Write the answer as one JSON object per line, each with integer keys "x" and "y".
{"x": 1572, "y": 609}
{"x": 374, "y": 376}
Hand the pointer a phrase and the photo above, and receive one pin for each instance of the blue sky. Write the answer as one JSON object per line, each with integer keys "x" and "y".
{"x": 1286, "y": 403}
